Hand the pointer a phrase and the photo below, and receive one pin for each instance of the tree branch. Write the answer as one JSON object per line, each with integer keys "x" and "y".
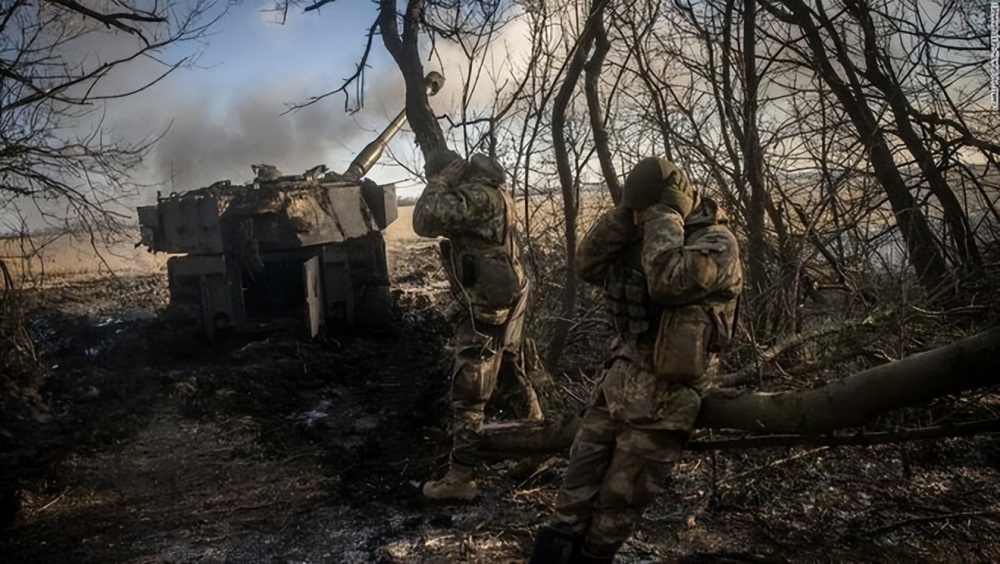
{"x": 591, "y": 86}
{"x": 318, "y": 5}
{"x": 115, "y": 19}
{"x": 404, "y": 50}
{"x": 358, "y": 72}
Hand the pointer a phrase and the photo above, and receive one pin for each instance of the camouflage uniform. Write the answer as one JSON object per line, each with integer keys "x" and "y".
{"x": 671, "y": 284}
{"x": 468, "y": 205}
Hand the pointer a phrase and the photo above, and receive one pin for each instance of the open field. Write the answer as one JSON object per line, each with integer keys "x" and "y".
{"x": 58, "y": 259}
{"x": 68, "y": 258}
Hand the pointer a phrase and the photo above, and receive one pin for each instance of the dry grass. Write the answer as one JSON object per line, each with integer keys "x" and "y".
{"x": 54, "y": 259}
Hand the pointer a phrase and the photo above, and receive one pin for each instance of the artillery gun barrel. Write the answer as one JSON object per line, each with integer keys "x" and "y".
{"x": 368, "y": 156}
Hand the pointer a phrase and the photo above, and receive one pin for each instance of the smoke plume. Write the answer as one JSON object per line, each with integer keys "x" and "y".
{"x": 207, "y": 141}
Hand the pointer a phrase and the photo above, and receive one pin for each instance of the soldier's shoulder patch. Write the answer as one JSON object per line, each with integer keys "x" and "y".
{"x": 706, "y": 247}
{"x": 479, "y": 194}
{"x": 710, "y": 242}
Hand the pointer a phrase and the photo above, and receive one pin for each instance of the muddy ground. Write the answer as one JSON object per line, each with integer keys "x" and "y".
{"x": 148, "y": 445}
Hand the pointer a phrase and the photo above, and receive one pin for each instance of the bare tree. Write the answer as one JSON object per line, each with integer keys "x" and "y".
{"x": 409, "y": 35}
{"x": 837, "y": 167}
{"x": 598, "y": 120}
{"x": 845, "y": 50}
{"x": 567, "y": 180}
{"x": 750, "y": 136}
{"x": 752, "y": 158}
{"x": 56, "y": 156}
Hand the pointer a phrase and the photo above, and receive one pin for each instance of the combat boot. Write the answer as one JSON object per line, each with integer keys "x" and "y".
{"x": 458, "y": 483}
{"x": 553, "y": 546}
{"x": 582, "y": 557}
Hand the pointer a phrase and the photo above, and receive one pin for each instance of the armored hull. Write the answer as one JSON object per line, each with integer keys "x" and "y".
{"x": 303, "y": 249}
{"x": 299, "y": 249}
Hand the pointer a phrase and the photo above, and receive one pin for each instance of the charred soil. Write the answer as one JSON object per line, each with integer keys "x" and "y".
{"x": 146, "y": 444}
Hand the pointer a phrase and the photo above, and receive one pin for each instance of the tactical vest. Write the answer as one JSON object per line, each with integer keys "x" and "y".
{"x": 486, "y": 277}
{"x": 683, "y": 339}
{"x": 626, "y": 296}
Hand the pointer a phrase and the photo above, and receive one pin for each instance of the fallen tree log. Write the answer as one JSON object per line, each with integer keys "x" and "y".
{"x": 967, "y": 364}
{"x": 970, "y": 363}
{"x": 848, "y": 439}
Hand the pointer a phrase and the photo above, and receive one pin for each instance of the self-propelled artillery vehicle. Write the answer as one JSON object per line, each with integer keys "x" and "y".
{"x": 302, "y": 249}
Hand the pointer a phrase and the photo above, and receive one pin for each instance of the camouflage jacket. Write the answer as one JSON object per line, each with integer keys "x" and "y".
{"x": 481, "y": 253}
{"x": 676, "y": 309}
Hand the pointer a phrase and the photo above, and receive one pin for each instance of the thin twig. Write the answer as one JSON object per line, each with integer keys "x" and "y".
{"x": 759, "y": 469}
{"x": 114, "y": 20}
{"x": 51, "y": 503}
{"x": 931, "y": 518}
{"x": 318, "y": 5}
{"x": 859, "y": 439}
{"x": 358, "y": 72}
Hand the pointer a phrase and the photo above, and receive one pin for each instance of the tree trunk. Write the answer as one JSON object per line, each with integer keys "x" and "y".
{"x": 887, "y": 83}
{"x": 753, "y": 162}
{"x": 591, "y": 86}
{"x": 924, "y": 253}
{"x": 568, "y": 183}
{"x": 404, "y": 50}
{"x": 964, "y": 365}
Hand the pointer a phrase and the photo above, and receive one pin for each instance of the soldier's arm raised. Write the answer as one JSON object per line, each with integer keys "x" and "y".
{"x": 679, "y": 273}
{"x": 602, "y": 244}
{"x": 445, "y": 210}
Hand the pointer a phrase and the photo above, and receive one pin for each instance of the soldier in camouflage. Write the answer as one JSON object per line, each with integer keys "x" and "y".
{"x": 466, "y": 203}
{"x": 671, "y": 272}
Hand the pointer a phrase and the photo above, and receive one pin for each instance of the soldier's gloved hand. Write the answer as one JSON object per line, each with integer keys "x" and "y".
{"x": 624, "y": 218}
{"x": 451, "y": 174}
{"x": 655, "y": 180}
{"x": 677, "y": 193}
{"x": 656, "y": 210}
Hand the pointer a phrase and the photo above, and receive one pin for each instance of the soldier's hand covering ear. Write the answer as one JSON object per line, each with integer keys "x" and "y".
{"x": 451, "y": 174}
{"x": 625, "y": 220}
{"x": 655, "y": 180}
{"x": 654, "y": 211}
{"x": 677, "y": 193}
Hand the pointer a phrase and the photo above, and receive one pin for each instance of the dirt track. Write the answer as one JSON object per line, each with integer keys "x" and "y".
{"x": 150, "y": 446}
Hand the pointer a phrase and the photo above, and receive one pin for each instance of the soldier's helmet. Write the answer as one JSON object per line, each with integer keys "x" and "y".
{"x": 646, "y": 182}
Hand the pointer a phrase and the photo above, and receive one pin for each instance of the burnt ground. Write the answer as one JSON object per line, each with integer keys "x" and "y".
{"x": 148, "y": 445}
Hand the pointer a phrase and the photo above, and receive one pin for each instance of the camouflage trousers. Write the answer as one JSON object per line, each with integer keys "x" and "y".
{"x": 615, "y": 472}
{"x": 480, "y": 349}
